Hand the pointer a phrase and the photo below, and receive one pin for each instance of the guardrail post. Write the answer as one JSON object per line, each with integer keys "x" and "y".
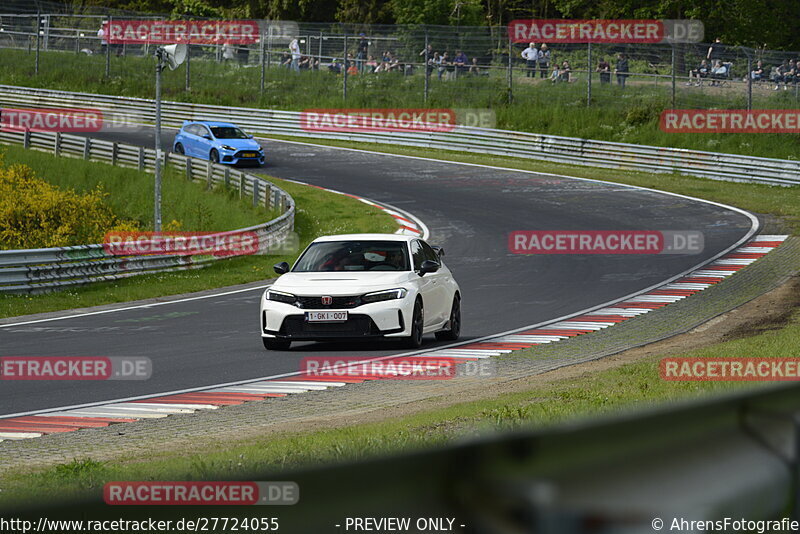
{"x": 26, "y": 139}
{"x": 227, "y": 178}
{"x": 141, "y": 158}
{"x": 241, "y": 185}
{"x": 267, "y": 194}
{"x": 209, "y": 175}
{"x": 188, "y": 162}
{"x": 87, "y": 147}
{"x": 276, "y": 196}
{"x": 255, "y": 192}
{"x": 57, "y": 144}
{"x": 114, "y": 153}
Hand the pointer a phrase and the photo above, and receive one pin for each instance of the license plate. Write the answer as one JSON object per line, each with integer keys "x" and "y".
{"x": 326, "y": 317}
{"x": 248, "y": 154}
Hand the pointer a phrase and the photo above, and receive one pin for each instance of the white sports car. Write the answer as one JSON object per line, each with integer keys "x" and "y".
{"x": 362, "y": 286}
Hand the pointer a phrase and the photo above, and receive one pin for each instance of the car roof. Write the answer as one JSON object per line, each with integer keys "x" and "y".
{"x": 210, "y": 123}
{"x": 365, "y": 237}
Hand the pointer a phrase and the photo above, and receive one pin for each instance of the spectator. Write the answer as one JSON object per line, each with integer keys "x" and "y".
{"x": 556, "y": 74}
{"x": 758, "y": 74}
{"x": 716, "y": 50}
{"x": 604, "y": 69}
{"x": 702, "y": 71}
{"x": 460, "y": 62}
{"x": 565, "y": 72}
{"x": 286, "y": 60}
{"x": 243, "y": 55}
{"x": 427, "y": 52}
{"x": 621, "y": 70}
{"x": 474, "y": 68}
{"x": 227, "y": 51}
{"x": 294, "y": 49}
{"x": 305, "y": 63}
{"x": 361, "y": 51}
{"x": 718, "y": 72}
{"x": 371, "y": 64}
{"x": 780, "y": 75}
{"x": 433, "y": 60}
{"x": 101, "y": 34}
{"x": 336, "y": 66}
{"x": 544, "y": 60}
{"x": 791, "y": 75}
{"x": 442, "y": 65}
{"x": 531, "y": 57}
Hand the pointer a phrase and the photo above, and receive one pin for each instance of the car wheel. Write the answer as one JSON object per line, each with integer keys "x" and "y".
{"x": 417, "y": 323}
{"x": 179, "y": 149}
{"x": 214, "y": 156}
{"x": 276, "y": 344}
{"x": 454, "y": 331}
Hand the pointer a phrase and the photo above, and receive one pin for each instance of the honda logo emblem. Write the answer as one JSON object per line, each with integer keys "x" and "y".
{"x": 327, "y": 301}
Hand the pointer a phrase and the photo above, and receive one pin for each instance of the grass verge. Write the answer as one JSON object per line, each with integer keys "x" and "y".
{"x": 630, "y": 385}
{"x": 318, "y": 213}
{"x": 630, "y": 115}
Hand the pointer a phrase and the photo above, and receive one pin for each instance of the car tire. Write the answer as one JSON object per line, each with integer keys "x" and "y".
{"x": 179, "y": 149}
{"x": 414, "y": 341}
{"x": 214, "y": 156}
{"x": 276, "y": 344}
{"x": 454, "y": 330}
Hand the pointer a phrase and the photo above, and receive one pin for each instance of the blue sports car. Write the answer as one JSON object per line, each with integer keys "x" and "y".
{"x": 220, "y": 142}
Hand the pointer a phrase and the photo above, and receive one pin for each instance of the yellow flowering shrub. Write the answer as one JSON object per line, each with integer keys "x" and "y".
{"x": 36, "y": 214}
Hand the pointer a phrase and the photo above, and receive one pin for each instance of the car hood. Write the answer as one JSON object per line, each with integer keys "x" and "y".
{"x": 340, "y": 283}
{"x": 240, "y": 144}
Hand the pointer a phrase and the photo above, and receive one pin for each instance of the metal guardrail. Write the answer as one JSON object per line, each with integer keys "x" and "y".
{"x": 574, "y": 151}
{"x": 38, "y": 270}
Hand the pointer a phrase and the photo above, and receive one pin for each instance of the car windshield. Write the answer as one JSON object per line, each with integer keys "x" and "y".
{"x": 354, "y": 256}
{"x": 228, "y": 132}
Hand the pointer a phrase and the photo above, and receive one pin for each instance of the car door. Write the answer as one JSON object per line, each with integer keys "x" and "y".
{"x": 426, "y": 285}
{"x": 190, "y": 140}
{"x": 440, "y": 293}
{"x": 204, "y": 145}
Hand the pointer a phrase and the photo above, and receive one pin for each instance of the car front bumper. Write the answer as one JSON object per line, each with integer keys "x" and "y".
{"x": 380, "y": 319}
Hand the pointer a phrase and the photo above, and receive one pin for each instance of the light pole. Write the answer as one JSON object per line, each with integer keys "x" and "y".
{"x": 167, "y": 56}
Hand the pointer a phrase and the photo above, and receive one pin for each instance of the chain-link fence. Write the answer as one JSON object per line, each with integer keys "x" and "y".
{"x": 368, "y": 66}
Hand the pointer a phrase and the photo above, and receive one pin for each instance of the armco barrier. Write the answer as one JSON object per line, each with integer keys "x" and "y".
{"x": 37, "y": 270}
{"x": 575, "y": 151}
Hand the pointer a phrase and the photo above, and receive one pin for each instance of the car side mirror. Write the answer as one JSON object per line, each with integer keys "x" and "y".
{"x": 428, "y": 266}
{"x": 249, "y": 136}
{"x": 207, "y": 137}
{"x": 439, "y": 251}
{"x": 281, "y": 268}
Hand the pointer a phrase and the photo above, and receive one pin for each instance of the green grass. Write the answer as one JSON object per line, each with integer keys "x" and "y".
{"x": 780, "y": 202}
{"x": 318, "y": 213}
{"x": 629, "y": 116}
{"x": 629, "y": 386}
{"x": 130, "y": 192}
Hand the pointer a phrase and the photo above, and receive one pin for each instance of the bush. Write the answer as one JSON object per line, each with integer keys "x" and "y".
{"x": 36, "y": 214}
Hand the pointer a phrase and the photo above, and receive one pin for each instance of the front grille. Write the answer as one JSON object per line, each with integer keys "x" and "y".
{"x": 295, "y": 326}
{"x": 339, "y": 303}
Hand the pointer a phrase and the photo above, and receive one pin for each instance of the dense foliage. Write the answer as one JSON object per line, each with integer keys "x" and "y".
{"x": 754, "y": 23}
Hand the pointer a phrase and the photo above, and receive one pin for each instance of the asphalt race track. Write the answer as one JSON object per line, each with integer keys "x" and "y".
{"x": 469, "y": 209}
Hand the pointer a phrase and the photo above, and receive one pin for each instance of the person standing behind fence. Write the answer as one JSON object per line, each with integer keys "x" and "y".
{"x": 621, "y": 70}
{"x": 361, "y": 51}
{"x": 531, "y": 57}
{"x": 605, "y": 71}
{"x": 101, "y": 34}
{"x": 294, "y": 49}
{"x": 544, "y": 61}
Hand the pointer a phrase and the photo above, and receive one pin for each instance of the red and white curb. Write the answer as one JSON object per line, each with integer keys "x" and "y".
{"x": 32, "y": 426}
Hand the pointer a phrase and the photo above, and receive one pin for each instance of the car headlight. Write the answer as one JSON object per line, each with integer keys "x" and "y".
{"x": 227, "y": 147}
{"x": 380, "y": 296}
{"x": 278, "y": 296}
